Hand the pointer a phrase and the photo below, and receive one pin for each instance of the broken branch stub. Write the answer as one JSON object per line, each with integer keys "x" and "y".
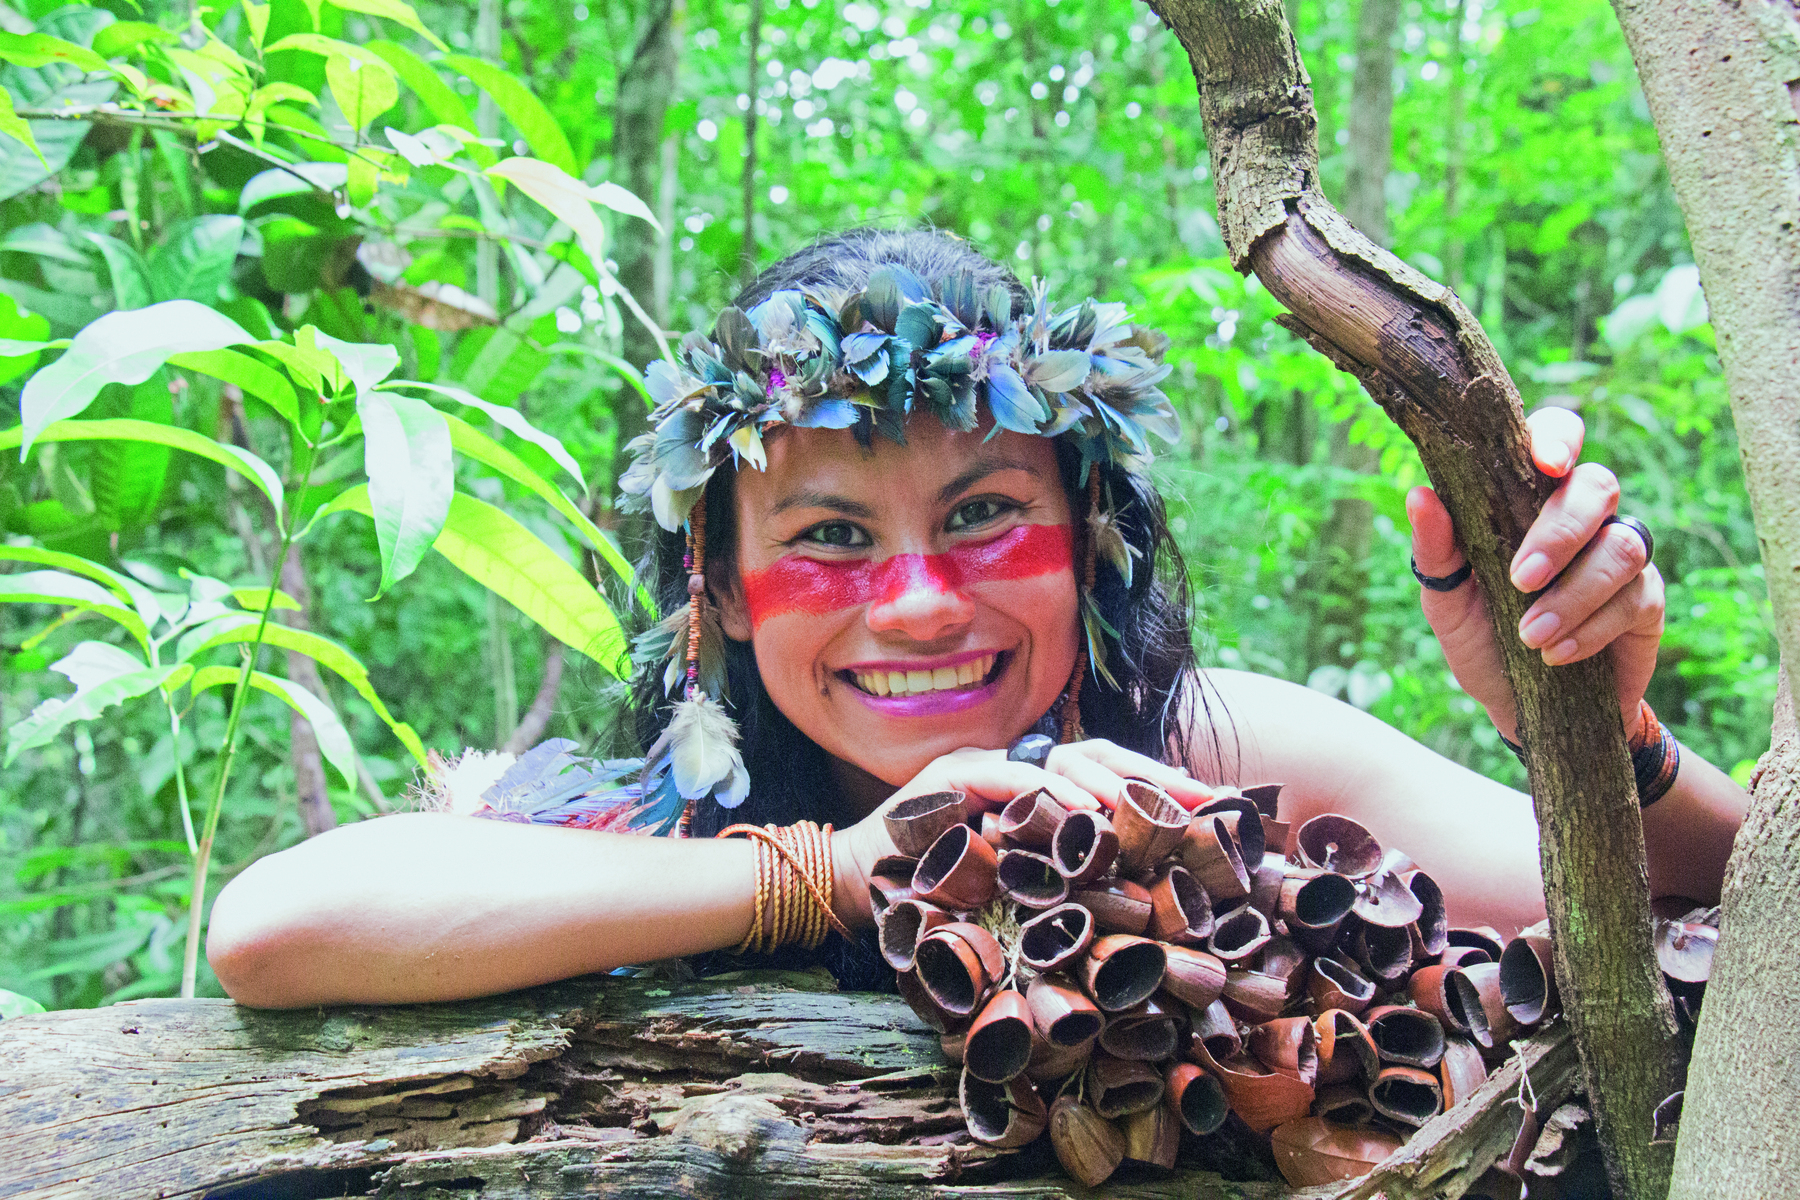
{"x": 1424, "y": 358}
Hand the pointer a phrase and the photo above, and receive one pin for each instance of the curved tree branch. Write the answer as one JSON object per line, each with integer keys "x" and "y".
{"x": 1425, "y": 360}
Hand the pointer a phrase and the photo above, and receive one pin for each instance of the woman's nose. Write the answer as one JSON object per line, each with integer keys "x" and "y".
{"x": 920, "y": 596}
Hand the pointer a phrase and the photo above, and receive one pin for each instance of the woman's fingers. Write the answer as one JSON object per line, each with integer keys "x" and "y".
{"x": 990, "y": 780}
{"x": 1605, "y": 570}
{"x": 1556, "y": 437}
{"x": 1459, "y": 617}
{"x": 1102, "y": 767}
{"x": 1569, "y": 520}
{"x": 1637, "y": 609}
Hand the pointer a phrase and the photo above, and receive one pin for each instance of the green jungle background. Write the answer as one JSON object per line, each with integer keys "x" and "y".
{"x": 1061, "y": 137}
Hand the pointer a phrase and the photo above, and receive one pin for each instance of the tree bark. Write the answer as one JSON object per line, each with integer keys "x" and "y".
{"x": 1723, "y": 83}
{"x": 646, "y": 88}
{"x": 1424, "y": 358}
{"x": 543, "y": 705}
{"x": 752, "y": 81}
{"x": 744, "y": 1085}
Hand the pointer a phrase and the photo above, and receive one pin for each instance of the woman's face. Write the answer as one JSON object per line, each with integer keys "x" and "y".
{"x": 906, "y": 601}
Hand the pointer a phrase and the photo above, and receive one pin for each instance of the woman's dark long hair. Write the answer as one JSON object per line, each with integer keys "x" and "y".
{"x": 1159, "y": 700}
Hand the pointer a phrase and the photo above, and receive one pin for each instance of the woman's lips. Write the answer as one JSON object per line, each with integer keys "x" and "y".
{"x": 971, "y": 683}
{"x": 922, "y": 681}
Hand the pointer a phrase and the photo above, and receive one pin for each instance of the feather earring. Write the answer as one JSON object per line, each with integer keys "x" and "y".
{"x": 700, "y": 743}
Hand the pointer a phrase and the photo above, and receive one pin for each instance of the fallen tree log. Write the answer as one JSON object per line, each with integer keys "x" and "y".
{"x": 602, "y": 1086}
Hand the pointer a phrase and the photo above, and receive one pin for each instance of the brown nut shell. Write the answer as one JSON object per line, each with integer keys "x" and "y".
{"x": 1149, "y": 824}
{"x": 899, "y": 927}
{"x": 1192, "y": 976}
{"x": 1084, "y": 847}
{"x": 1312, "y": 1152}
{"x": 1196, "y": 1097}
{"x": 1345, "y": 1049}
{"x": 1119, "y": 1086}
{"x": 1063, "y": 1013}
{"x": 918, "y": 821}
{"x": 1118, "y": 905}
{"x": 1410, "y": 1037}
{"x": 999, "y": 1042}
{"x": 1029, "y": 820}
{"x": 1003, "y": 1115}
{"x": 1056, "y": 937}
{"x": 1209, "y": 851}
{"x": 1180, "y": 911}
{"x": 1122, "y": 971}
{"x": 1336, "y": 843}
{"x": 1087, "y": 1145}
{"x": 1407, "y": 1094}
{"x": 1152, "y": 1136}
{"x": 959, "y": 871}
{"x": 1334, "y": 985}
{"x": 1030, "y": 879}
{"x": 1528, "y": 978}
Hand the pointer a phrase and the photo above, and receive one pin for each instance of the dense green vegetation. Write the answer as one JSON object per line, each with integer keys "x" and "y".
{"x": 1060, "y": 136}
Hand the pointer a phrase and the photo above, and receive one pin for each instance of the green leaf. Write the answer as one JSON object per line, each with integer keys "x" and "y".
{"x": 22, "y": 166}
{"x": 231, "y": 457}
{"x": 253, "y": 598}
{"x": 406, "y": 452}
{"x": 437, "y": 96}
{"x": 627, "y": 370}
{"x": 621, "y": 201}
{"x": 296, "y": 179}
{"x": 258, "y": 16}
{"x": 502, "y": 555}
{"x": 238, "y": 628}
{"x": 130, "y": 277}
{"x": 14, "y": 1005}
{"x": 524, "y": 110}
{"x": 334, "y": 739}
{"x": 40, "y": 49}
{"x": 472, "y": 443}
{"x": 566, "y": 197}
{"x": 103, "y": 676}
{"x": 121, "y": 347}
{"x": 362, "y": 90}
{"x": 53, "y": 587}
{"x": 122, "y": 586}
{"x": 510, "y": 419}
{"x": 365, "y": 363}
{"x": 16, "y": 127}
{"x": 254, "y": 377}
{"x": 196, "y": 260}
{"x": 121, "y": 37}
{"x": 393, "y": 10}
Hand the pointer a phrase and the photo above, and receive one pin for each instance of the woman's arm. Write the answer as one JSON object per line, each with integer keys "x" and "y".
{"x": 1479, "y": 840}
{"x": 432, "y": 906}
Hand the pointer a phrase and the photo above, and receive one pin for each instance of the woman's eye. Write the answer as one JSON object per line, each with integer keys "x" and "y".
{"x": 978, "y": 512}
{"x": 835, "y": 533}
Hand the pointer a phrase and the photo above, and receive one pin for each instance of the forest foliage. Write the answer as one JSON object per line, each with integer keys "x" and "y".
{"x": 268, "y": 271}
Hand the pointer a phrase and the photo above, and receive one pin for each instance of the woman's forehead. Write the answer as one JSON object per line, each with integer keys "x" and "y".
{"x": 934, "y": 458}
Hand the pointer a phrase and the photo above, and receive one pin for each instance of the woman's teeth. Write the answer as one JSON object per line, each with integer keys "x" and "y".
{"x": 913, "y": 683}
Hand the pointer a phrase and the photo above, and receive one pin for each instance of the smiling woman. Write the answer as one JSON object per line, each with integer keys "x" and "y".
{"x": 906, "y": 521}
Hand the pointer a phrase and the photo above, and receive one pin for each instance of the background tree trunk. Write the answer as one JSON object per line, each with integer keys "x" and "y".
{"x": 309, "y": 765}
{"x": 1338, "y": 576}
{"x": 1723, "y": 82}
{"x": 752, "y": 83}
{"x": 1424, "y": 358}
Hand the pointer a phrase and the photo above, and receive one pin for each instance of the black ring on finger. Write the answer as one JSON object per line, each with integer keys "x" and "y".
{"x": 1443, "y": 583}
{"x": 1033, "y": 749}
{"x": 1638, "y": 527}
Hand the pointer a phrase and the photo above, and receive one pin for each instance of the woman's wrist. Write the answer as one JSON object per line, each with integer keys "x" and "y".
{"x": 849, "y": 882}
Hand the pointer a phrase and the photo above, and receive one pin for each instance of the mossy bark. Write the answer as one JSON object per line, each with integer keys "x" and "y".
{"x": 1722, "y": 78}
{"x": 1425, "y": 359}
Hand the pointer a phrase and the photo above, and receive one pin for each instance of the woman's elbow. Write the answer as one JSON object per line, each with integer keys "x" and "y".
{"x": 251, "y": 939}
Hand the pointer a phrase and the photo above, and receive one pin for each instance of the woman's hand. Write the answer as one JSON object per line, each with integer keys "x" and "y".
{"x": 1083, "y": 775}
{"x": 1606, "y": 595}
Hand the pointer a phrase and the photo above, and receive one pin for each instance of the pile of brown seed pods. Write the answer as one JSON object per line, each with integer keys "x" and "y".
{"x": 1119, "y": 980}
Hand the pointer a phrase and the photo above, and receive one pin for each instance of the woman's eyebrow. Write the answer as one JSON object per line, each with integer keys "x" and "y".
{"x": 813, "y": 499}
{"x": 981, "y": 470}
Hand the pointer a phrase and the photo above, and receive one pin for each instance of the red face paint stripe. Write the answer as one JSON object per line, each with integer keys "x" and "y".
{"x": 809, "y": 585}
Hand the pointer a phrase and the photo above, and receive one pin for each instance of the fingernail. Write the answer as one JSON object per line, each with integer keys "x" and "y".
{"x": 1560, "y": 653}
{"x": 1533, "y": 573}
{"x": 1535, "y": 631}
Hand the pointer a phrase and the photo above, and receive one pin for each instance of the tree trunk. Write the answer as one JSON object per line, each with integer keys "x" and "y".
{"x": 745, "y": 1085}
{"x": 752, "y": 81}
{"x": 646, "y": 88}
{"x": 1338, "y": 577}
{"x": 303, "y": 745}
{"x": 1723, "y": 82}
{"x": 1424, "y": 358}
{"x": 543, "y": 705}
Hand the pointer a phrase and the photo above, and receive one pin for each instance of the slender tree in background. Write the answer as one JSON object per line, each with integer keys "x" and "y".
{"x": 1723, "y": 82}
{"x": 1424, "y": 358}
{"x": 309, "y": 765}
{"x": 647, "y": 82}
{"x": 752, "y": 80}
{"x": 1338, "y": 577}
